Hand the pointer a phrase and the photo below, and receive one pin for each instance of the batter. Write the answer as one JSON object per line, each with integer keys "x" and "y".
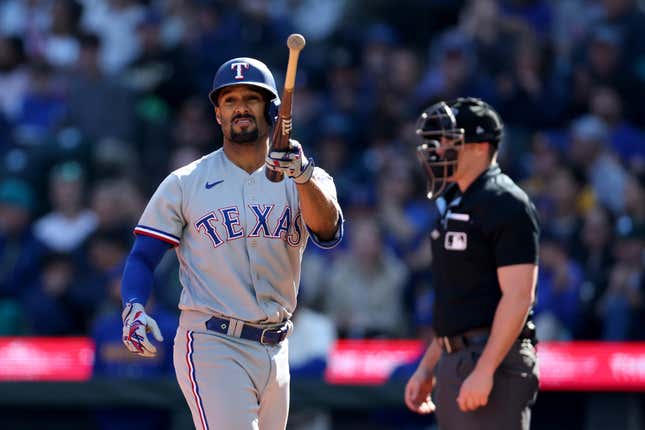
{"x": 239, "y": 239}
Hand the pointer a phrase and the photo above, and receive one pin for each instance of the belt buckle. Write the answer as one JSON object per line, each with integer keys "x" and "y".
{"x": 262, "y": 341}
{"x": 280, "y": 331}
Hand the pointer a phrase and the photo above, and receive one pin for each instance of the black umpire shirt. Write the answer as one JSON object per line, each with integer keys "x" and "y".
{"x": 492, "y": 224}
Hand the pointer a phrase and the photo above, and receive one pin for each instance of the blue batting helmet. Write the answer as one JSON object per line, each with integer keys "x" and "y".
{"x": 247, "y": 71}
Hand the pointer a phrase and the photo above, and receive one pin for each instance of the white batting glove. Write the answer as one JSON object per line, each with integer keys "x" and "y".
{"x": 136, "y": 325}
{"x": 291, "y": 162}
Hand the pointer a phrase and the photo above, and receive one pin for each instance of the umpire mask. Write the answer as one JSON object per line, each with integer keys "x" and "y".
{"x": 441, "y": 142}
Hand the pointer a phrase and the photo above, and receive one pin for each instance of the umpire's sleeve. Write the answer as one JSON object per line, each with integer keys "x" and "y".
{"x": 517, "y": 233}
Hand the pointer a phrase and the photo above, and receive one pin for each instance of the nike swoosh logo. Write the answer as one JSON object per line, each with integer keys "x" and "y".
{"x": 212, "y": 184}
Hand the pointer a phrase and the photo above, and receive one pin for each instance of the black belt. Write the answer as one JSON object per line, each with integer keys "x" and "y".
{"x": 477, "y": 337}
{"x": 266, "y": 336}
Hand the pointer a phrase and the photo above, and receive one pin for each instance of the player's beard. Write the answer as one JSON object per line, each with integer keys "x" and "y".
{"x": 249, "y": 136}
{"x": 245, "y": 136}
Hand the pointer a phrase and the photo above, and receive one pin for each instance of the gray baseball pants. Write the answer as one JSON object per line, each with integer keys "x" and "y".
{"x": 230, "y": 383}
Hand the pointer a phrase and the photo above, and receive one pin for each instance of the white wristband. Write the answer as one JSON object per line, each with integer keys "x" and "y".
{"x": 306, "y": 174}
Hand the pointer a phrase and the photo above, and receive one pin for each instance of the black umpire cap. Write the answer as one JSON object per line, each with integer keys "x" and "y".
{"x": 481, "y": 123}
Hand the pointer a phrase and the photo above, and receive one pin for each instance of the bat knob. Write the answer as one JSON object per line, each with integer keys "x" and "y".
{"x": 296, "y": 41}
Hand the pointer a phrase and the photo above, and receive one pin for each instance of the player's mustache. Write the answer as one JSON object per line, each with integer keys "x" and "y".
{"x": 243, "y": 115}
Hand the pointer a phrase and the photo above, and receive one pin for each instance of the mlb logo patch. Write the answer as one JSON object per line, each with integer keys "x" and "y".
{"x": 456, "y": 241}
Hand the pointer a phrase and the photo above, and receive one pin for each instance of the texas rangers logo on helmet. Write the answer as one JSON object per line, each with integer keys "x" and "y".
{"x": 238, "y": 69}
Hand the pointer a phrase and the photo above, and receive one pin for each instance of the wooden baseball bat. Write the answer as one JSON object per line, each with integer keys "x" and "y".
{"x": 282, "y": 129}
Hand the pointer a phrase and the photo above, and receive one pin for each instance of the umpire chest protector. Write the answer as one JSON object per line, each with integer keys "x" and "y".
{"x": 492, "y": 224}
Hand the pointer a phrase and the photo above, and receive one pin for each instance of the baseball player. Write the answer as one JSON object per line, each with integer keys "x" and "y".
{"x": 482, "y": 362}
{"x": 239, "y": 239}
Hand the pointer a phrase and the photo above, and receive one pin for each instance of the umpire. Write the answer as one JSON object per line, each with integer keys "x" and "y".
{"x": 482, "y": 362}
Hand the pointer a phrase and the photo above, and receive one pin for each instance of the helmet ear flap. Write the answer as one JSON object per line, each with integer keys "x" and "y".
{"x": 271, "y": 111}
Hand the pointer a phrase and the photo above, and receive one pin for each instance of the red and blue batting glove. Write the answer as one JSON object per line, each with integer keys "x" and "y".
{"x": 136, "y": 325}
{"x": 291, "y": 162}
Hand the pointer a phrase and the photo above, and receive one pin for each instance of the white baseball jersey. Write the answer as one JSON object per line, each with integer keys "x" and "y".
{"x": 239, "y": 237}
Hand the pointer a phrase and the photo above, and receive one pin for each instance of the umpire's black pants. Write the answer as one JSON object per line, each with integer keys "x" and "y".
{"x": 515, "y": 387}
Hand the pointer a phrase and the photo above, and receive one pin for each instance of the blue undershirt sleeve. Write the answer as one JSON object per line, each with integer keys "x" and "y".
{"x": 140, "y": 265}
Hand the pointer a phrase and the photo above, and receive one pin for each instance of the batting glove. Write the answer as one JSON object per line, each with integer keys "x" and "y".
{"x": 291, "y": 162}
{"x": 136, "y": 325}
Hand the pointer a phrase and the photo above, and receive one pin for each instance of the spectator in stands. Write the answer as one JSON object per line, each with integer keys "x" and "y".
{"x": 600, "y": 66}
{"x": 193, "y": 125}
{"x": 621, "y": 305}
{"x": 572, "y": 22}
{"x": 597, "y": 237}
{"x": 405, "y": 217}
{"x": 60, "y": 46}
{"x": 335, "y": 152}
{"x": 492, "y": 37}
{"x": 211, "y": 36}
{"x": 12, "y": 318}
{"x": 53, "y": 302}
{"x": 627, "y": 19}
{"x": 70, "y": 222}
{"x": 589, "y": 153}
{"x": 537, "y": 15}
{"x": 20, "y": 252}
{"x": 6, "y": 132}
{"x": 347, "y": 94}
{"x": 318, "y": 20}
{"x": 529, "y": 95}
{"x": 403, "y": 71}
{"x": 364, "y": 295}
{"x": 92, "y": 94}
{"x": 453, "y": 72}
{"x": 596, "y": 258}
{"x": 117, "y": 204}
{"x": 43, "y": 106}
{"x": 105, "y": 253}
{"x": 14, "y": 77}
{"x": 115, "y": 22}
{"x": 156, "y": 69}
{"x": 624, "y": 139}
{"x": 557, "y": 309}
{"x": 634, "y": 197}
{"x": 377, "y": 50}
{"x": 565, "y": 203}
{"x": 115, "y": 158}
{"x": 28, "y": 19}
{"x": 540, "y": 162}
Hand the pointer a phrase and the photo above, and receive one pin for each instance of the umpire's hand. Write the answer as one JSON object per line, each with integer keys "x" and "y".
{"x": 475, "y": 390}
{"x": 136, "y": 325}
{"x": 418, "y": 392}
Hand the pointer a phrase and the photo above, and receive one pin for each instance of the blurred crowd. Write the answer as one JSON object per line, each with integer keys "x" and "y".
{"x": 101, "y": 99}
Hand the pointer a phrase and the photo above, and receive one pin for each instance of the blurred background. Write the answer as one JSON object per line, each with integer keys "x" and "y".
{"x": 101, "y": 99}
